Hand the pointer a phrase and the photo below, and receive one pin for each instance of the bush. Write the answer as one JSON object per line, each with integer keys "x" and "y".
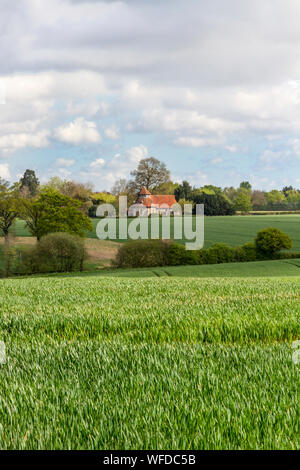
{"x": 270, "y": 241}
{"x": 61, "y": 252}
{"x": 142, "y": 254}
{"x": 220, "y": 253}
{"x": 177, "y": 255}
{"x": 56, "y": 252}
{"x": 246, "y": 252}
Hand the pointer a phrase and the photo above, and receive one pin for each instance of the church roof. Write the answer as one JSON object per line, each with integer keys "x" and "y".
{"x": 144, "y": 190}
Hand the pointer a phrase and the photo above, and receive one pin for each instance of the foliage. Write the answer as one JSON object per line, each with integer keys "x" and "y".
{"x": 270, "y": 241}
{"x": 62, "y": 252}
{"x": 220, "y": 253}
{"x": 150, "y": 173}
{"x": 142, "y": 253}
{"x": 9, "y": 209}
{"x": 214, "y": 204}
{"x": 29, "y": 183}
{"x": 54, "y": 212}
{"x": 56, "y": 252}
{"x": 258, "y": 200}
{"x": 183, "y": 191}
{"x": 242, "y": 201}
{"x": 246, "y": 185}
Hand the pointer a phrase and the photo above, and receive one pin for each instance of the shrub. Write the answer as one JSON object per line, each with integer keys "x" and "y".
{"x": 142, "y": 254}
{"x": 270, "y": 241}
{"x": 175, "y": 254}
{"x": 220, "y": 253}
{"x": 246, "y": 252}
{"x": 203, "y": 256}
{"x": 61, "y": 252}
{"x": 28, "y": 261}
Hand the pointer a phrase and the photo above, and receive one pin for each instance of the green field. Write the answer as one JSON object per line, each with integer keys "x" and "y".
{"x": 234, "y": 230}
{"x": 175, "y": 362}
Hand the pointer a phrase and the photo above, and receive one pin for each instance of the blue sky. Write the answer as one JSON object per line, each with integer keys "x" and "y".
{"x": 88, "y": 88}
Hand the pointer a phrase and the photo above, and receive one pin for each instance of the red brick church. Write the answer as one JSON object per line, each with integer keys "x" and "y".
{"x": 147, "y": 204}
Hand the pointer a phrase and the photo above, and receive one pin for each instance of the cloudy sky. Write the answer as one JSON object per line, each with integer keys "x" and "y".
{"x": 88, "y": 88}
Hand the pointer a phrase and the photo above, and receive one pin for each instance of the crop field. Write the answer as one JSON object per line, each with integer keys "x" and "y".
{"x": 234, "y": 230}
{"x": 96, "y": 362}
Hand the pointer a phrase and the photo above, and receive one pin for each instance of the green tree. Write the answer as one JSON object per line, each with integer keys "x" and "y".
{"x": 29, "y": 183}
{"x": 183, "y": 191}
{"x": 165, "y": 188}
{"x": 275, "y": 196}
{"x": 245, "y": 185}
{"x": 270, "y": 241}
{"x": 242, "y": 201}
{"x": 258, "y": 200}
{"x": 214, "y": 204}
{"x": 293, "y": 198}
{"x": 54, "y": 212}
{"x": 9, "y": 210}
{"x": 150, "y": 173}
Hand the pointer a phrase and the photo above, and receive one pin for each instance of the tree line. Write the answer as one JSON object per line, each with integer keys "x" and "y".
{"x": 66, "y": 206}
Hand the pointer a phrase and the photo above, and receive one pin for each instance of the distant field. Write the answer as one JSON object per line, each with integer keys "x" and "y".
{"x": 278, "y": 268}
{"x": 234, "y": 230}
{"x": 155, "y": 363}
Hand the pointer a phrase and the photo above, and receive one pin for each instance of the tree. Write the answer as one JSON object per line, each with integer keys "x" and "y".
{"x": 183, "y": 191}
{"x": 166, "y": 188}
{"x": 270, "y": 241}
{"x": 245, "y": 185}
{"x": 211, "y": 189}
{"x": 120, "y": 187}
{"x": 275, "y": 196}
{"x": 214, "y": 204}
{"x": 293, "y": 198}
{"x": 54, "y": 212}
{"x": 230, "y": 193}
{"x": 9, "y": 210}
{"x": 80, "y": 191}
{"x": 3, "y": 184}
{"x": 150, "y": 173}
{"x": 30, "y": 183}
{"x": 286, "y": 189}
{"x": 242, "y": 201}
{"x": 258, "y": 200}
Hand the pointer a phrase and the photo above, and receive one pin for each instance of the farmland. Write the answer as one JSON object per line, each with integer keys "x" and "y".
{"x": 98, "y": 362}
{"x": 234, "y": 230}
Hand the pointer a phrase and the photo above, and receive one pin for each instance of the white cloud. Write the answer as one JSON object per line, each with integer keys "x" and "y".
{"x": 64, "y": 172}
{"x": 77, "y": 132}
{"x": 4, "y": 171}
{"x": 112, "y": 132}
{"x": 65, "y": 162}
{"x": 119, "y": 166}
{"x": 11, "y": 142}
{"x": 196, "y": 142}
{"x": 97, "y": 163}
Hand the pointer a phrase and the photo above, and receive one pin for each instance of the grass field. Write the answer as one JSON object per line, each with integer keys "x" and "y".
{"x": 97, "y": 362}
{"x": 234, "y": 230}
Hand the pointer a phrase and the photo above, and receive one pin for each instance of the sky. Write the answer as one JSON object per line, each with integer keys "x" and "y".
{"x": 212, "y": 89}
